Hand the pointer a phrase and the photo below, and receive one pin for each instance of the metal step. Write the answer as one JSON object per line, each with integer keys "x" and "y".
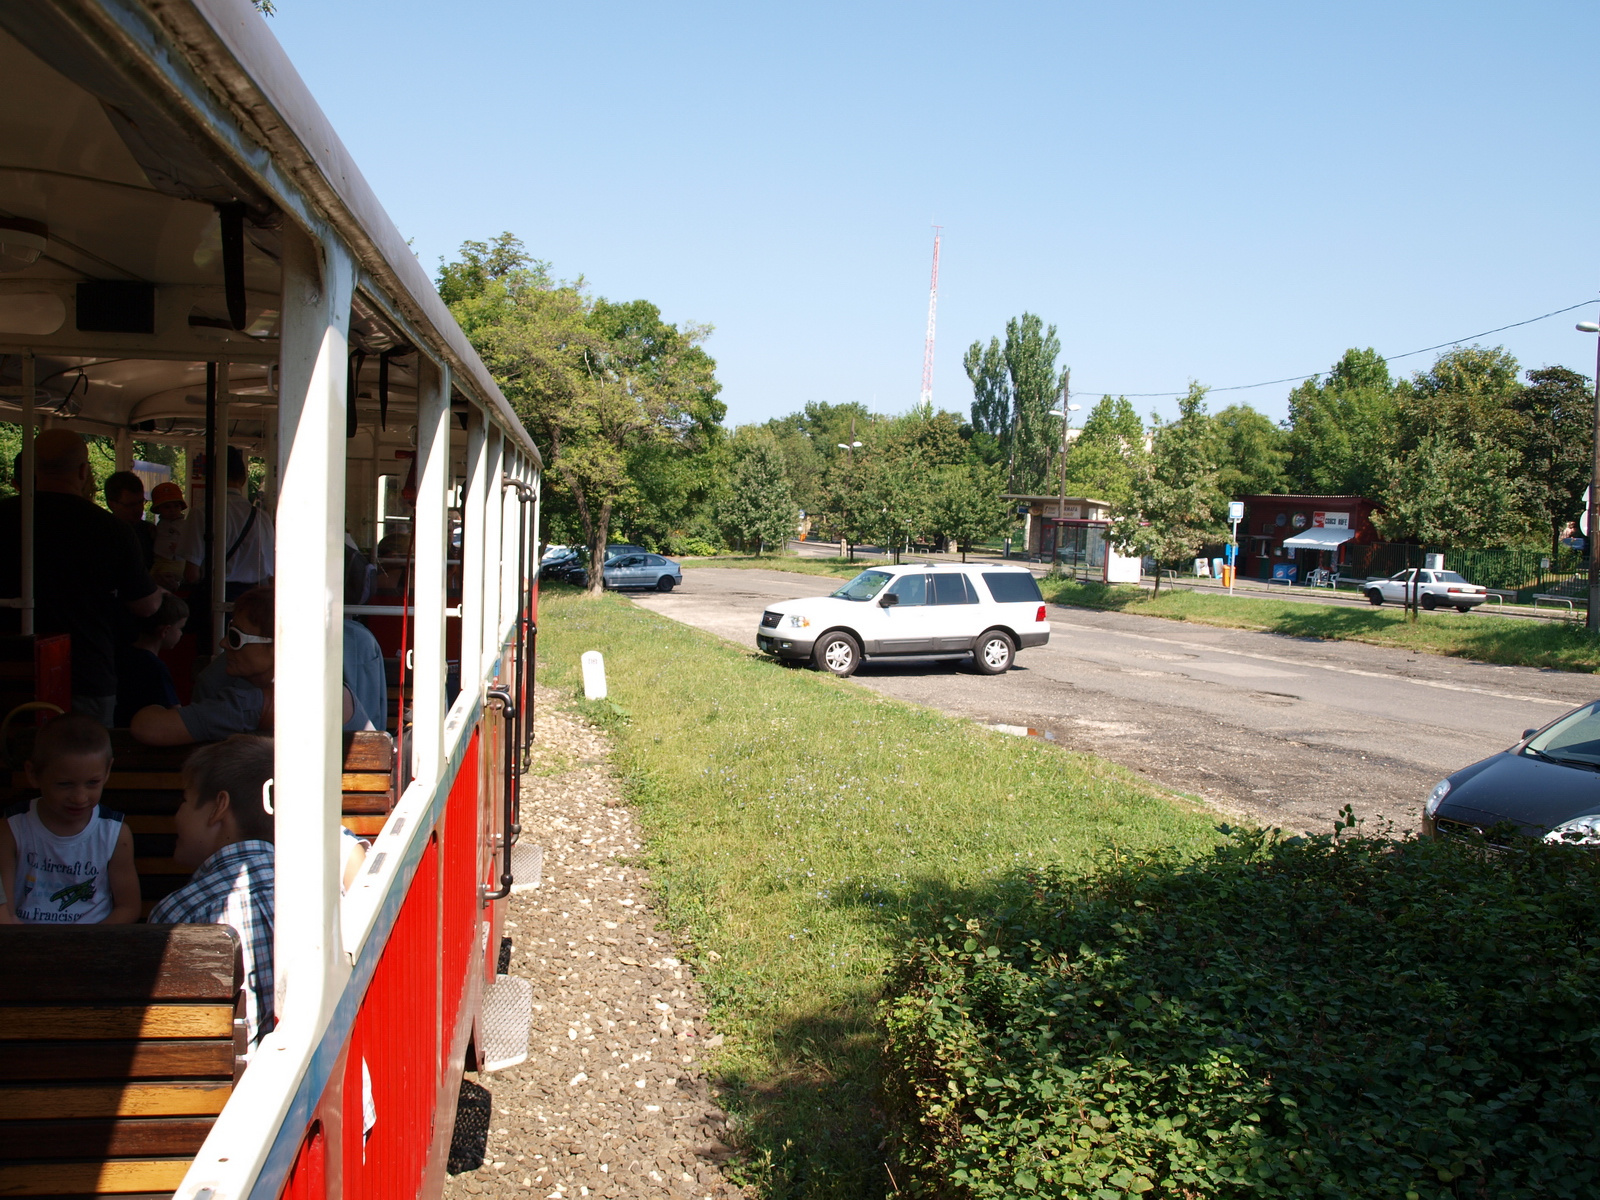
{"x": 503, "y": 1021}
{"x": 527, "y": 867}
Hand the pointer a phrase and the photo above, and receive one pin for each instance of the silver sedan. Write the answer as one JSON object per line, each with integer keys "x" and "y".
{"x": 642, "y": 570}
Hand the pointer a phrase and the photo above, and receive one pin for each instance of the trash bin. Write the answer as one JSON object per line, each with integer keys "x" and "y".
{"x": 1227, "y": 576}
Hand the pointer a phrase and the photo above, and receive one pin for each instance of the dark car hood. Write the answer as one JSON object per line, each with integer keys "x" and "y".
{"x": 1522, "y": 789}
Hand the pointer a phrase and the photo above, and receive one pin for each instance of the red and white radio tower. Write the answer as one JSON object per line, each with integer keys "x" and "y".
{"x": 926, "y": 402}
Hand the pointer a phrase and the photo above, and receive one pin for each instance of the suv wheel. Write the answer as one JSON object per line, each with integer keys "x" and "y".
{"x": 837, "y": 653}
{"x": 993, "y": 653}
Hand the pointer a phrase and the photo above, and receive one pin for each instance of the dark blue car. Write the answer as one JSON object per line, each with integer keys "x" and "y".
{"x": 1546, "y": 786}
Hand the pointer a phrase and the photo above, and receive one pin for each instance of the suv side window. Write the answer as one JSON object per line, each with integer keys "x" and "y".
{"x": 912, "y": 589}
{"x": 1012, "y": 587}
{"x": 952, "y": 589}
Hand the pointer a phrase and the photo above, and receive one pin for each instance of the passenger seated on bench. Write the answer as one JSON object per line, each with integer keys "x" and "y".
{"x": 65, "y": 859}
{"x": 225, "y": 835}
{"x": 235, "y": 696}
{"x": 142, "y": 678}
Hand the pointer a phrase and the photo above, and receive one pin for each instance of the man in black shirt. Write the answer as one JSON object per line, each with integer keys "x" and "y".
{"x": 124, "y": 493}
{"x": 86, "y": 564}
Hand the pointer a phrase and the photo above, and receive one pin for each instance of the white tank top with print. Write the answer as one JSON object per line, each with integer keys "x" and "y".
{"x": 63, "y": 880}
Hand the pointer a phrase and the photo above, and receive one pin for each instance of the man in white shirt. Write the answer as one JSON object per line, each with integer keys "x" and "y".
{"x": 247, "y": 542}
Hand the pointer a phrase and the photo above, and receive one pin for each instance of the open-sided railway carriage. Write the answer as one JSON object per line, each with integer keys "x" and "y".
{"x": 188, "y": 257}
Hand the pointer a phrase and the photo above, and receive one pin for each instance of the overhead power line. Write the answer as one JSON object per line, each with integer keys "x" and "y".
{"x": 1245, "y": 387}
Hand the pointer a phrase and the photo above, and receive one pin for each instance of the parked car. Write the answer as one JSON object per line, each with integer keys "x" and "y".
{"x": 642, "y": 570}
{"x": 982, "y": 612}
{"x": 569, "y": 564}
{"x": 1439, "y": 589}
{"x": 1546, "y": 786}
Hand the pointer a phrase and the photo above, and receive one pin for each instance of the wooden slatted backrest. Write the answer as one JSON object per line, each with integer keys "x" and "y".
{"x": 368, "y": 781}
{"x": 119, "y": 1045}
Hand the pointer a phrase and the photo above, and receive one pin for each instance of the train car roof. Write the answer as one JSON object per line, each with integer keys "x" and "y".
{"x": 129, "y": 125}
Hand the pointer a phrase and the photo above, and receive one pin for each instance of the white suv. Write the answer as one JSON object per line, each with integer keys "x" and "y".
{"x": 986, "y": 611}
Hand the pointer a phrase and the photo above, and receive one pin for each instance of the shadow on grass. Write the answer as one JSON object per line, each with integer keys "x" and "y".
{"x": 818, "y": 1127}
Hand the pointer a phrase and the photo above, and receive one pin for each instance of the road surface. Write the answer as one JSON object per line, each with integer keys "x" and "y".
{"x": 1285, "y": 730}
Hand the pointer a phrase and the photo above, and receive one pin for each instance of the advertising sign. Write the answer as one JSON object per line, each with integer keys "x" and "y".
{"x": 1330, "y": 520}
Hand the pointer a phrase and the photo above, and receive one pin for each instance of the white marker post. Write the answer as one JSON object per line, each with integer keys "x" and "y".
{"x": 594, "y": 675}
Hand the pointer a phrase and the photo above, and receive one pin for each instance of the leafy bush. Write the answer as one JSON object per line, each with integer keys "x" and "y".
{"x": 1323, "y": 1017}
{"x": 691, "y": 547}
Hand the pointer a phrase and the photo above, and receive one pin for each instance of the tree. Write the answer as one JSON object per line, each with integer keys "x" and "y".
{"x": 1175, "y": 504}
{"x": 759, "y": 505}
{"x": 892, "y": 500}
{"x": 1013, "y": 387}
{"x": 1340, "y": 427}
{"x": 594, "y": 382}
{"x": 1454, "y": 476}
{"x": 1250, "y": 452}
{"x": 1030, "y": 353}
{"x": 991, "y": 391}
{"x": 1105, "y": 458}
{"x": 965, "y": 506}
{"x": 1556, "y": 442}
{"x": 1449, "y": 493}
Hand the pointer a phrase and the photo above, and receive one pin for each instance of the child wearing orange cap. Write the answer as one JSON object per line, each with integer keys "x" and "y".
{"x": 166, "y": 501}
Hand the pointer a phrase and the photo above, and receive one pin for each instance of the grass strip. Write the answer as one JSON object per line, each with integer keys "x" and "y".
{"x": 1558, "y": 645}
{"x": 793, "y": 821}
{"x": 834, "y": 568}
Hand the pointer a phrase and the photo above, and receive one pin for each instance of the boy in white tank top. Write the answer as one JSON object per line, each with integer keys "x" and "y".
{"x": 65, "y": 859}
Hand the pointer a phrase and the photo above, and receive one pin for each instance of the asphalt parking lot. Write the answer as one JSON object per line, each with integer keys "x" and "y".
{"x": 1285, "y": 730}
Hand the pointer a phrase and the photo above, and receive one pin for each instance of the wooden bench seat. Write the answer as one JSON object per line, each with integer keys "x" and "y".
{"x": 119, "y": 1045}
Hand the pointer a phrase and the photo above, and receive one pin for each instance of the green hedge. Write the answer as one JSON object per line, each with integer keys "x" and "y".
{"x": 1319, "y": 1017}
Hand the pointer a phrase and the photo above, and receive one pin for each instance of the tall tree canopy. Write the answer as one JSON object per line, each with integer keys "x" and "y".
{"x": 1556, "y": 441}
{"x": 597, "y": 384}
{"x": 1014, "y": 386}
{"x": 1339, "y": 426}
{"x": 1106, "y": 456}
{"x": 1251, "y": 452}
{"x": 1175, "y": 507}
{"x": 759, "y": 503}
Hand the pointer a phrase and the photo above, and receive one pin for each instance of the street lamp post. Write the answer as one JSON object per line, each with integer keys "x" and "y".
{"x": 1065, "y": 413}
{"x": 1593, "y": 622}
{"x": 849, "y": 448}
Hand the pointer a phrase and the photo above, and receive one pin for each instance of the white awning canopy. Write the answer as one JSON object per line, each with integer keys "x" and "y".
{"x": 1318, "y": 539}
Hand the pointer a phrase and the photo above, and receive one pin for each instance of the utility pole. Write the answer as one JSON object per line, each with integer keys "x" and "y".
{"x": 1066, "y": 424}
{"x": 926, "y": 402}
{"x": 1593, "y": 622}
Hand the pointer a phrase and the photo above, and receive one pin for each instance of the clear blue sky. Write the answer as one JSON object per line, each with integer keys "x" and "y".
{"x": 1225, "y": 192}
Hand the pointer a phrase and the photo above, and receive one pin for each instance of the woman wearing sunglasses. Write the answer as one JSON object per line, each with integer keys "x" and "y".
{"x": 234, "y": 694}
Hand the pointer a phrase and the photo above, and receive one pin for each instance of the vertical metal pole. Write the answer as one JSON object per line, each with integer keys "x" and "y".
{"x": 318, "y": 285}
{"x": 1066, "y": 423}
{"x": 122, "y": 449}
{"x": 472, "y": 554}
{"x": 208, "y": 516}
{"x": 25, "y": 487}
{"x": 493, "y": 509}
{"x": 1593, "y": 620}
{"x": 431, "y": 534}
{"x": 217, "y": 504}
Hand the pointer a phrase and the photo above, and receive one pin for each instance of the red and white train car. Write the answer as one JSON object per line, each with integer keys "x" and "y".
{"x": 189, "y": 257}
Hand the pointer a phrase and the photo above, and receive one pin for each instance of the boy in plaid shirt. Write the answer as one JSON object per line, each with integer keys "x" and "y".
{"x": 225, "y": 834}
